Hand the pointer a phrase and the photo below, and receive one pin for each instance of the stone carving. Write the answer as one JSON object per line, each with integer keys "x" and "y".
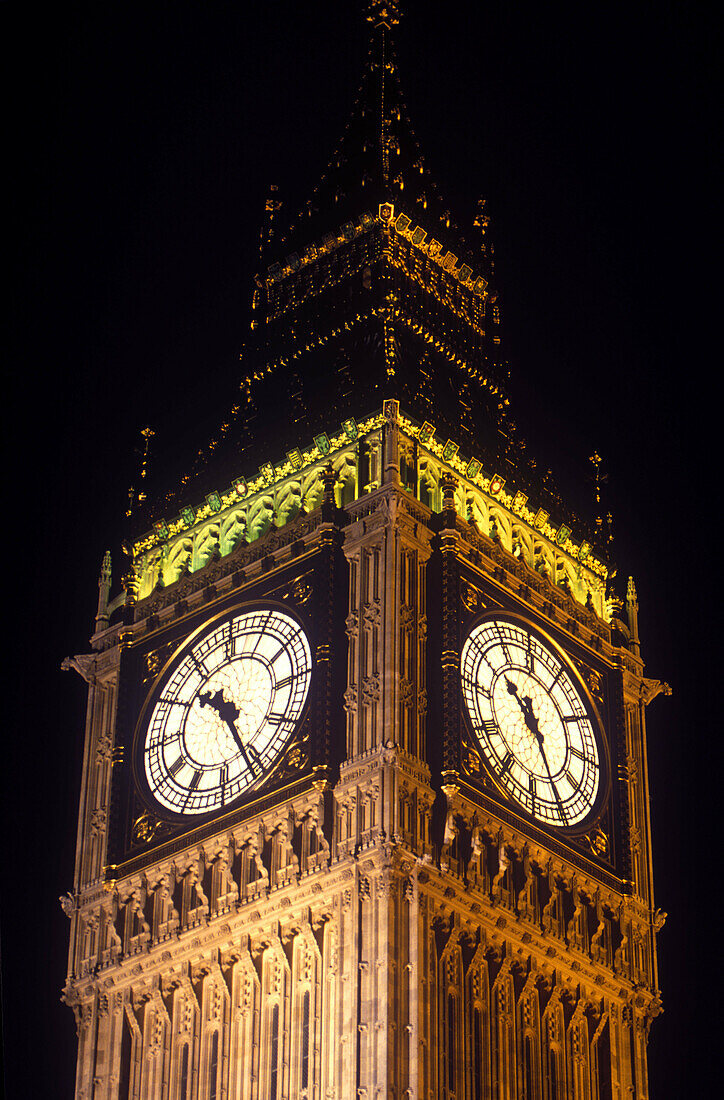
{"x": 651, "y": 688}
{"x": 67, "y": 904}
{"x": 83, "y": 663}
{"x": 472, "y": 598}
{"x": 371, "y": 613}
{"x": 98, "y": 821}
{"x": 370, "y": 690}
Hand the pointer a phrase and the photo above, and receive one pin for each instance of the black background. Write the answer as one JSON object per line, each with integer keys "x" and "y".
{"x": 139, "y": 145}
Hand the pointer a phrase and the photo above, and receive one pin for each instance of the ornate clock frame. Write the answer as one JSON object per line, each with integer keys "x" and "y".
{"x": 306, "y": 584}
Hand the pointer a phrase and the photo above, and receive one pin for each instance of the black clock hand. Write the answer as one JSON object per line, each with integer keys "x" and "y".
{"x": 228, "y": 712}
{"x": 526, "y": 705}
{"x": 242, "y": 748}
{"x": 550, "y": 777}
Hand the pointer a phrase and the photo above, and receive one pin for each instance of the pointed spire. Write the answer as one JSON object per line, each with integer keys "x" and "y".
{"x": 632, "y": 611}
{"x": 104, "y": 590}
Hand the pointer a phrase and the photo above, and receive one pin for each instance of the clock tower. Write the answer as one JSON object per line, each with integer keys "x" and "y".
{"x": 364, "y": 806}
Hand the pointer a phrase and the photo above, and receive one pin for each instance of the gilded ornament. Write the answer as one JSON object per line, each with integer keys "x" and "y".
{"x": 145, "y": 827}
{"x": 472, "y": 598}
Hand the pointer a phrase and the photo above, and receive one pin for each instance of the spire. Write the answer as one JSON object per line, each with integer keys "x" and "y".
{"x": 104, "y": 589}
{"x": 632, "y": 610}
{"x": 377, "y": 159}
{"x": 383, "y": 16}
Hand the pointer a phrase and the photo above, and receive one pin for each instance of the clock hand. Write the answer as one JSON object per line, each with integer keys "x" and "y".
{"x": 228, "y": 712}
{"x": 550, "y": 778}
{"x": 526, "y": 705}
{"x": 242, "y": 747}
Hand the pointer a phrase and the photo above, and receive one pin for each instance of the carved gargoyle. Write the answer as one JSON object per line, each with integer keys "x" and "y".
{"x": 651, "y": 688}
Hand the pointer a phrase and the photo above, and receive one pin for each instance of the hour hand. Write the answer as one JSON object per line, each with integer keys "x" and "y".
{"x": 526, "y": 705}
{"x": 512, "y": 688}
{"x": 226, "y": 710}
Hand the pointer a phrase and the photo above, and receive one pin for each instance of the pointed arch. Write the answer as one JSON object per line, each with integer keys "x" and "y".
{"x": 275, "y": 1021}
{"x": 477, "y": 1025}
{"x": 503, "y": 1030}
{"x": 330, "y": 1005}
{"x": 185, "y": 1020}
{"x": 553, "y": 1049}
{"x": 450, "y": 1020}
{"x": 529, "y": 1041}
{"x": 214, "y": 1053}
{"x": 245, "y": 1026}
{"x": 579, "y": 1069}
{"x": 306, "y": 1013}
{"x": 156, "y": 1030}
{"x": 129, "y": 1087}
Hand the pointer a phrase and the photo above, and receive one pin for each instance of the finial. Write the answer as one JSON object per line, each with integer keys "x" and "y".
{"x": 599, "y": 480}
{"x": 383, "y": 13}
{"x": 140, "y": 496}
{"x": 481, "y": 221}
{"x": 272, "y": 206}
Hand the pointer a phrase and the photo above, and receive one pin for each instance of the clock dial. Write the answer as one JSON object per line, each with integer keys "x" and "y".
{"x": 225, "y": 710}
{"x": 531, "y": 722}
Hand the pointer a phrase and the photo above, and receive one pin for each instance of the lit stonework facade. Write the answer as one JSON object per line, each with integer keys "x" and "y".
{"x": 376, "y": 917}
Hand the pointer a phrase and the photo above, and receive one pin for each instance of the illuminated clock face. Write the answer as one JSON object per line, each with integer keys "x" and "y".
{"x": 225, "y": 710}
{"x": 530, "y": 720}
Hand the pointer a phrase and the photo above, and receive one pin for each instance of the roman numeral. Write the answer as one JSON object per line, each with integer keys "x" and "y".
{"x": 489, "y": 727}
{"x": 503, "y": 644}
{"x": 200, "y": 666}
{"x": 508, "y": 760}
{"x": 191, "y": 788}
{"x": 287, "y": 679}
{"x": 176, "y": 766}
{"x": 476, "y": 687}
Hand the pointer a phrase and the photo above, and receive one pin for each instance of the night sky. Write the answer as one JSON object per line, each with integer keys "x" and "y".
{"x": 139, "y": 145}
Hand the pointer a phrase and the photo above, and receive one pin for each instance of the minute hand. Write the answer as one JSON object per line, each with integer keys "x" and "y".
{"x": 526, "y": 705}
{"x": 240, "y": 744}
